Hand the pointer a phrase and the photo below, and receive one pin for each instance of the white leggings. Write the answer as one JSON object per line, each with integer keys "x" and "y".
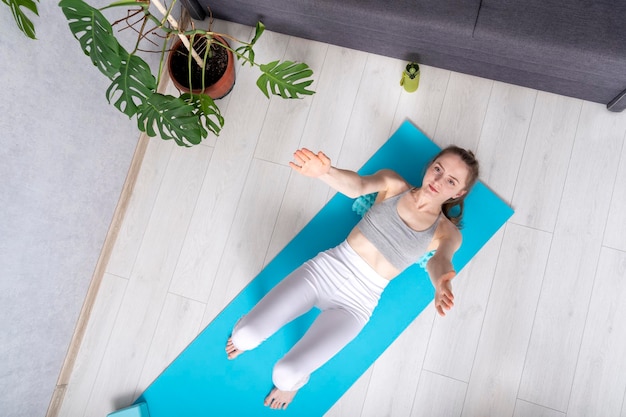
{"x": 341, "y": 284}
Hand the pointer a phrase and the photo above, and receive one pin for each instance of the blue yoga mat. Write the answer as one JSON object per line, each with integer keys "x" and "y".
{"x": 203, "y": 382}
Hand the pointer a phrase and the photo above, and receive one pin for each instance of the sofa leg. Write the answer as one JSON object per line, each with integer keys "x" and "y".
{"x": 618, "y": 103}
{"x": 195, "y": 10}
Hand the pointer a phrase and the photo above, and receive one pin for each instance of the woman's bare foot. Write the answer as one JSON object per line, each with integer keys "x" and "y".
{"x": 231, "y": 350}
{"x": 279, "y": 400}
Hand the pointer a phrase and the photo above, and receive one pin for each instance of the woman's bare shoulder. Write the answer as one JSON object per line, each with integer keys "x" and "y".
{"x": 394, "y": 183}
{"x": 448, "y": 233}
{"x": 390, "y": 175}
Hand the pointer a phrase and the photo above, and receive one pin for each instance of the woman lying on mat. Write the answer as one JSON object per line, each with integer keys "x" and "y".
{"x": 346, "y": 282}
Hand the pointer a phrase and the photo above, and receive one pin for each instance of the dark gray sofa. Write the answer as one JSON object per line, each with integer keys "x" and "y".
{"x": 575, "y": 48}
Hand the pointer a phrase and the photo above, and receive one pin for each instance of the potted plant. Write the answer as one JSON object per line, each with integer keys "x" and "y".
{"x": 190, "y": 117}
{"x": 215, "y": 80}
{"x": 21, "y": 18}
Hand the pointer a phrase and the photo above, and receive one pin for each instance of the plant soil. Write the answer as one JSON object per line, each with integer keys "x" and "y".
{"x": 215, "y": 64}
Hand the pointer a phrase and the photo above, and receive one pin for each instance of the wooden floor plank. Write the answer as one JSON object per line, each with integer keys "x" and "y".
{"x": 504, "y": 134}
{"x": 526, "y": 409}
{"x": 616, "y": 221}
{"x": 397, "y": 372}
{"x": 546, "y": 160}
{"x": 97, "y": 334}
{"x": 573, "y": 259}
{"x": 377, "y": 99}
{"x": 600, "y": 380}
{"x": 139, "y": 208}
{"x": 497, "y": 370}
{"x": 438, "y": 396}
{"x": 178, "y": 325}
{"x": 338, "y": 83}
{"x": 248, "y": 241}
{"x": 145, "y": 294}
{"x": 463, "y": 111}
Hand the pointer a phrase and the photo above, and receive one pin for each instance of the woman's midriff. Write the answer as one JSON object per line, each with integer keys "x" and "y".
{"x": 372, "y": 256}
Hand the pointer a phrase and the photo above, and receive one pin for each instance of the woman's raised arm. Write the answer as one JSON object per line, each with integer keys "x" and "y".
{"x": 440, "y": 268}
{"x": 349, "y": 183}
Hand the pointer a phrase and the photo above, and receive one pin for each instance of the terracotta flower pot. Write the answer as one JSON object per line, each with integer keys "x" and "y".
{"x": 220, "y": 78}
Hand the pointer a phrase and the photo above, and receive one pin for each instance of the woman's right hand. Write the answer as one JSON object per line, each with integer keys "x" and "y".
{"x": 310, "y": 164}
{"x": 444, "y": 299}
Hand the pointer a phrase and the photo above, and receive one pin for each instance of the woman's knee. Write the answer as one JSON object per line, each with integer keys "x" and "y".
{"x": 287, "y": 376}
{"x": 246, "y": 337}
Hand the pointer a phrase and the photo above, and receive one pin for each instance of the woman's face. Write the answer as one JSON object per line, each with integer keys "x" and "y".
{"x": 446, "y": 177}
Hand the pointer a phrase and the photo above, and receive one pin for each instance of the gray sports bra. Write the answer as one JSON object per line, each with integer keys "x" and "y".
{"x": 399, "y": 244}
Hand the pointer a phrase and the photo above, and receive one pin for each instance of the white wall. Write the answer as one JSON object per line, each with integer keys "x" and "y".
{"x": 64, "y": 155}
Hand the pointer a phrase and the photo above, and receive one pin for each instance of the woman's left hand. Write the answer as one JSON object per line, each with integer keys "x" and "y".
{"x": 444, "y": 299}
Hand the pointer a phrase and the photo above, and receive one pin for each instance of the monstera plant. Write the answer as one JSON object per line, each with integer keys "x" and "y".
{"x": 21, "y": 18}
{"x": 189, "y": 117}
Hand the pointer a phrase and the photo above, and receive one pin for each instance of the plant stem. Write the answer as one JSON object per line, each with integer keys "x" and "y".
{"x": 183, "y": 38}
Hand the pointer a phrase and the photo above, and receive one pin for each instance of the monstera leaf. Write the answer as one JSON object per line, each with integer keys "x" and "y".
{"x": 173, "y": 117}
{"x": 95, "y": 35}
{"x": 187, "y": 119}
{"x": 246, "y": 51}
{"x": 285, "y": 79}
{"x": 132, "y": 85}
{"x": 207, "y": 111}
{"x": 22, "y": 20}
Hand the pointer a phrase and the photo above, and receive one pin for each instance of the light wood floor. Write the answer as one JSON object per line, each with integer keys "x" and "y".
{"x": 538, "y": 329}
